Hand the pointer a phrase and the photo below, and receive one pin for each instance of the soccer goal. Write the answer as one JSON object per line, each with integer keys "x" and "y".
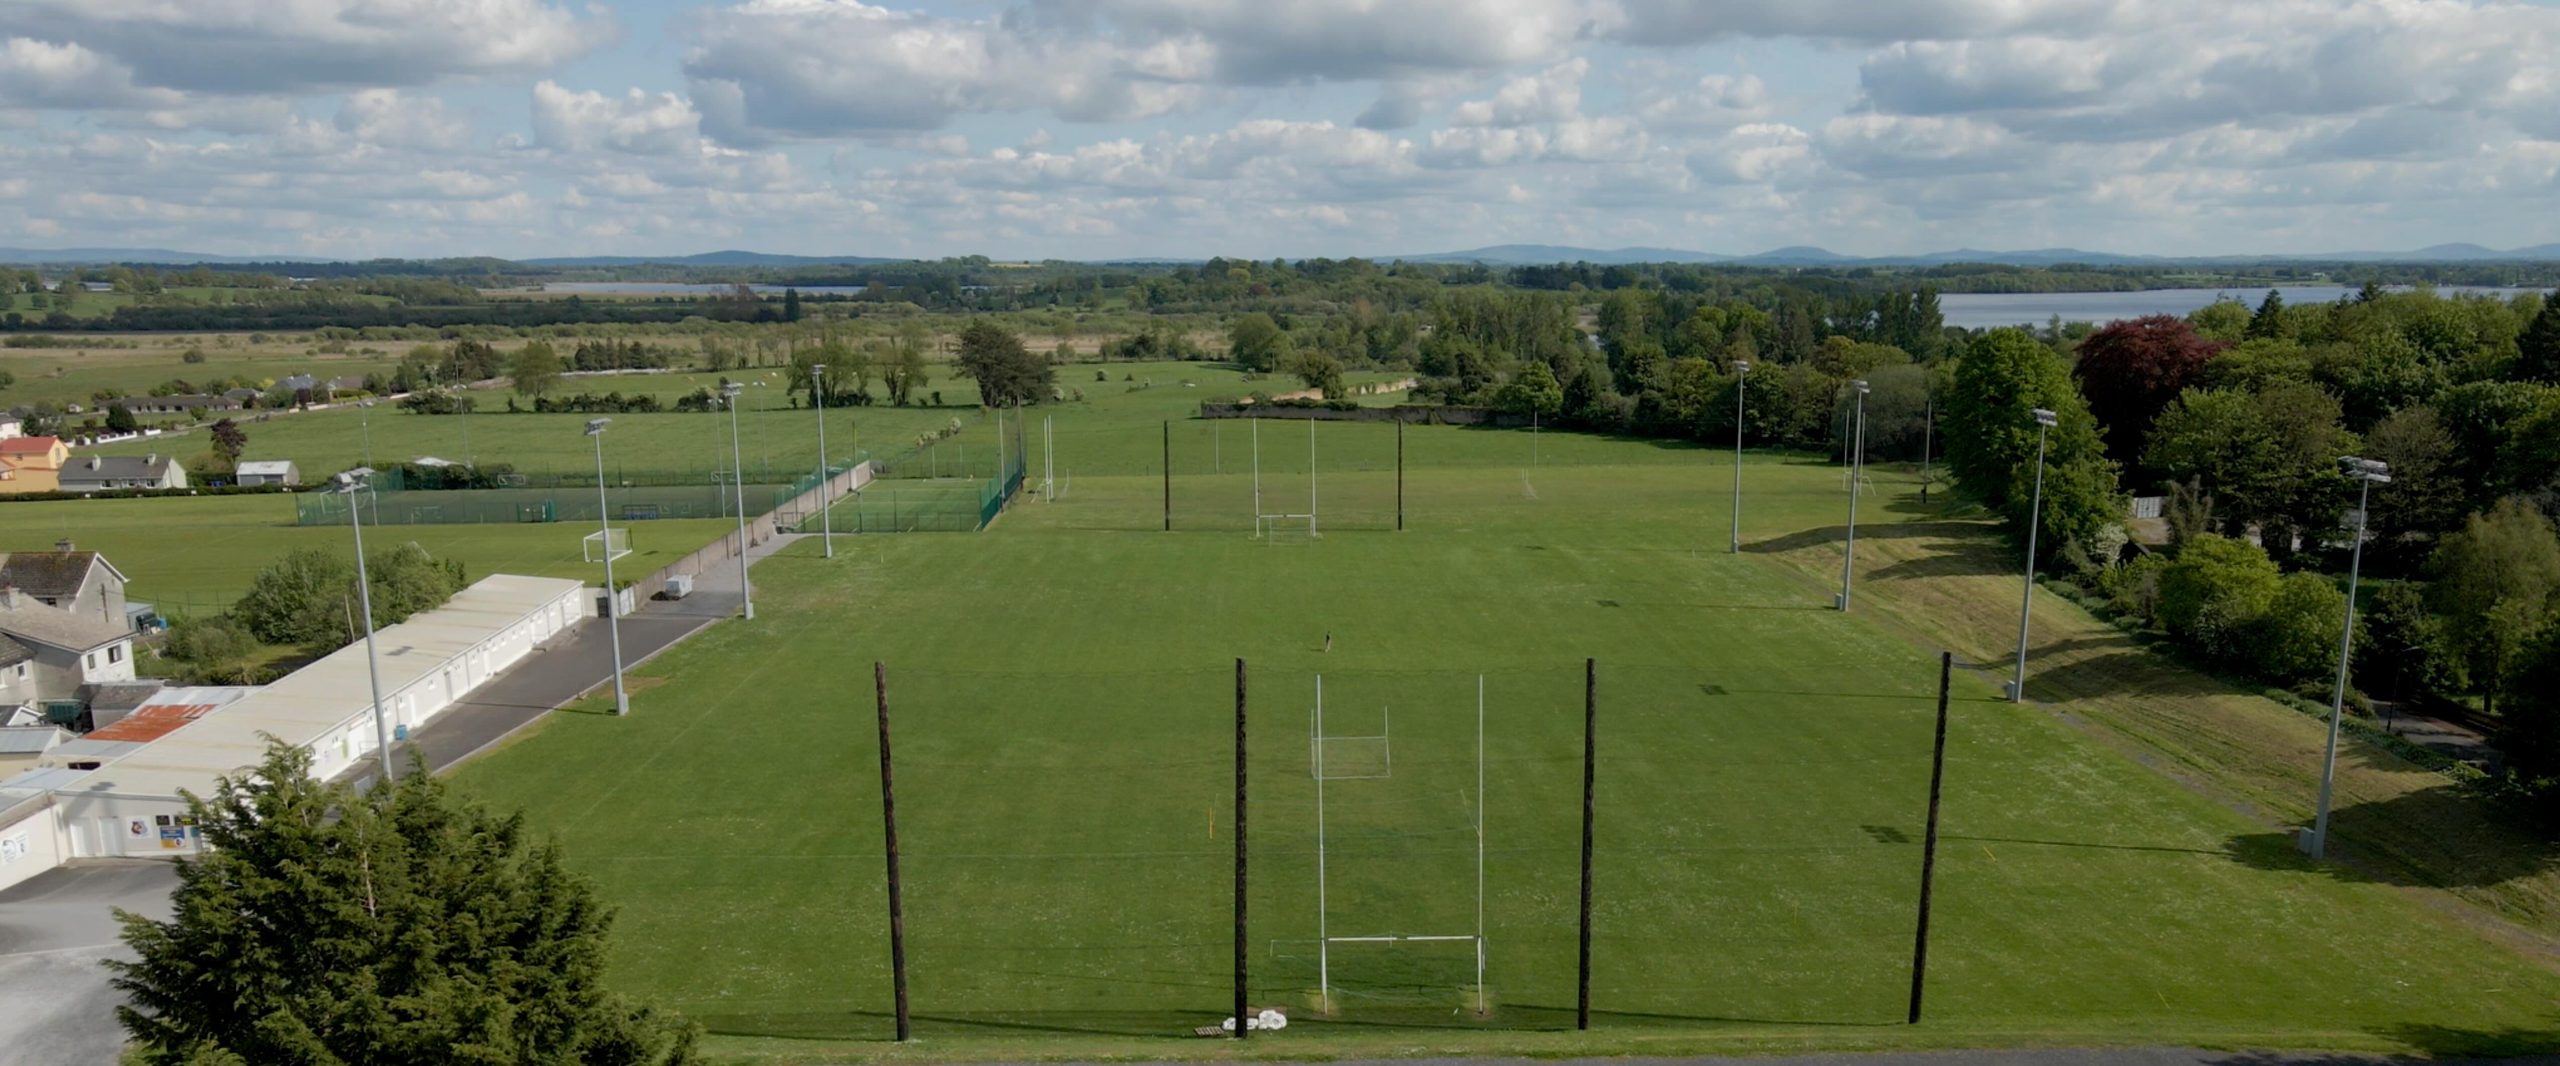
{"x": 610, "y": 543}
{"x": 1272, "y": 520}
{"x": 1366, "y": 762}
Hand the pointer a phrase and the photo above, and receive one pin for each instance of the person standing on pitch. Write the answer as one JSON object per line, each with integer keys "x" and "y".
{"x": 1328, "y": 641}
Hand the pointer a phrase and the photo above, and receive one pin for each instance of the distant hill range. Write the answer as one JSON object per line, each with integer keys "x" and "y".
{"x": 1496, "y": 255}
{"x": 1809, "y": 256}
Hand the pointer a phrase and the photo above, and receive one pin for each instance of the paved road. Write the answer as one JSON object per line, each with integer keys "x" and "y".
{"x": 56, "y": 927}
{"x": 55, "y": 930}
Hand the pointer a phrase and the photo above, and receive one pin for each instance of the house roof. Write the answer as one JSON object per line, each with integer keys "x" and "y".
{"x": 12, "y": 653}
{"x": 30, "y": 739}
{"x": 36, "y": 623}
{"x": 266, "y": 466}
{"x": 152, "y": 722}
{"x": 115, "y": 467}
{"x": 53, "y": 573}
{"x": 29, "y": 445}
{"x": 119, "y": 697}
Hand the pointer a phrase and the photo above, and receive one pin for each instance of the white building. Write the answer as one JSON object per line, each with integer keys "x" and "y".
{"x": 268, "y": 472}
{"x": 115, "y": 792}
{"x": 102, "y": 473}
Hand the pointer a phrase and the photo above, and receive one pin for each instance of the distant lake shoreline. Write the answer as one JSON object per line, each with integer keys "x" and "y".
{"x": 1969, "y": 310}
{"x": 1987, "y": 310}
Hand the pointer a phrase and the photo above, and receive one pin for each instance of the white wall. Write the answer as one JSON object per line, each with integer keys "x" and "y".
{"x": 420, "y": 701}
{"x": 31, "y": 844}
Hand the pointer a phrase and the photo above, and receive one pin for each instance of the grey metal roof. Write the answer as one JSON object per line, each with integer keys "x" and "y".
{"x": 268, "y": 467}
{"x": 39, "y": 624}
{"x": 30, "y": 739}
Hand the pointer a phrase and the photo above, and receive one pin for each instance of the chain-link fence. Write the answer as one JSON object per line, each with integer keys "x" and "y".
{"x": 638, "y": 496}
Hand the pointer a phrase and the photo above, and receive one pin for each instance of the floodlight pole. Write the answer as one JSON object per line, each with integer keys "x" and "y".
{"x": 2035, "y": 521}
{"x": 1929, "y": 845}
{"x": 1741, "y": 371}
{"x": 1590, "y": 765}
{"x": 612, "y": 595}
{"x": 2366, "y": 472}
{"x": 889, "y": 833}
{"x": 1857, "y": 468}
{"x": 352, "y": 481}
{"x": 738, "y": 470}
{"x": 826, "y": 525}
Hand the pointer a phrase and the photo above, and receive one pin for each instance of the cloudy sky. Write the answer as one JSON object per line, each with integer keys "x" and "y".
{"x": 1111, "y": 128}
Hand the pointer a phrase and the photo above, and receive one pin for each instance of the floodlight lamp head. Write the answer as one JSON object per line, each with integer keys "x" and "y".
{"x": 595, "y": 426}
{"x": 1742, "y": 366}
{"x": 353, "y": 480}
{"x": 1860, "y": 385}
{"x": 2367, "y": 469}
{"x": 2045, "y": 417}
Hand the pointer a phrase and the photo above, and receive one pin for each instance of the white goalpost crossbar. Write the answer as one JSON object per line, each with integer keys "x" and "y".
{"x": 1324, "y": 936}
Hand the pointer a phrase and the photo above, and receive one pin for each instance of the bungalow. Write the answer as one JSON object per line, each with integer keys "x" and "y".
{"x": 242, "y": 397}
{"x": 32, "y": 464}
{"x": 268, "y": 472}
{"x": 101, "y": 473}
{"x": 186, "y": 404}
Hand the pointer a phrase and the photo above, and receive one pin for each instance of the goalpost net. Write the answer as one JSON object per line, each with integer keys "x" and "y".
{"x": 1360, "y": 767}
{"x": 609, "y": 543}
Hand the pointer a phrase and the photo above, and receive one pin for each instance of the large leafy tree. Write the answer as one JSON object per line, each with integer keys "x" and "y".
{"x": 2538, "y": 350}
{"x": 229, "y": 440}
{"x": 1256, "y": 343}
{"x": 2132, "y": 369}
{"x": 2424, "y": 496}
{"x": 308, "y": 598}
{"x": 398, "y": 926}
{"x": 535, "y": 369}
{"x": 2269, "y": 458}
{"x": 2213, "y": 595}
{"x": 2496, "y": 583}
{"x": 1006, "y": 372}
{"x": 1990, "y": 434}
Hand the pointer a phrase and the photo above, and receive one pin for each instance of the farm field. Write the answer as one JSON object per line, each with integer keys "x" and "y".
{"x": 1062, "y": 685}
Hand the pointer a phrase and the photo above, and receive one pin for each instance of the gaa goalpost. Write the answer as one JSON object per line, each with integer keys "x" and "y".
{"x": 1267, "y": 522}
{"x": 1381, "y": 768}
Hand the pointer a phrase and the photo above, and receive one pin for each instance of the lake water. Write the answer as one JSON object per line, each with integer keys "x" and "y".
{"x": 1980, "y": 310}
{"x": 682, "y": 288}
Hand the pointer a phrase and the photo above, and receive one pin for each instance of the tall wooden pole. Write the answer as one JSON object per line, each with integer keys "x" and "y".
{"x": 889, "y": 823}
{"x": 1590, "y": 720}
{"x": 1168, "y": 476}
{"x": 1240, "y": 1015}
{"x": 1399, "y": 475}
{"x": 1929, "y": 843}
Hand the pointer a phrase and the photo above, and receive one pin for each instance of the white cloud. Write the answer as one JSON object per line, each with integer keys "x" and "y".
{"x": 386, "y": 117}
{"x": 1712, "y": 102}
{"x": 636, "y": 122}
{"x": 48, "y": 74}
{"x": 284, "y": 46}
{"x": 1552, "y": 95}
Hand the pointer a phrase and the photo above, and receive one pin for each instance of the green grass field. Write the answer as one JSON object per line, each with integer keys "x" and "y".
{"x": 195, "y": 555}
{"x": 1062, "y": 690}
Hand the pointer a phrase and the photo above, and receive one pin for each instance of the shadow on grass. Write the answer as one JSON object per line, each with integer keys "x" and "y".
{"x": 882, "y": 1025}
{"x": 2130, "y": 670}
{"x": 1820, "y": 536}
{"x": 2438, "y": 1045}
{"x": 2476, "y": 842}
{"x": 2092, "y": 845}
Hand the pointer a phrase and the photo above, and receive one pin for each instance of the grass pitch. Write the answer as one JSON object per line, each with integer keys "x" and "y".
{"x": 1061, "y": 690}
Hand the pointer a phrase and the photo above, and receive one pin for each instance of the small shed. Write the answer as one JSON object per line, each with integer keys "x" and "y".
{"x": 269, "y": 472}
{"x": 22, "y": 745}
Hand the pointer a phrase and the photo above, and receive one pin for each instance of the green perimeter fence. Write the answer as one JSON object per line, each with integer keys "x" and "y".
{"x": 637, "y": 496}
{"x": 931, "y": 488}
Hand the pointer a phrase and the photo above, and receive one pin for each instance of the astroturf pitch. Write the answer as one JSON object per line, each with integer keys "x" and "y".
{"x": 1062, "y": 692}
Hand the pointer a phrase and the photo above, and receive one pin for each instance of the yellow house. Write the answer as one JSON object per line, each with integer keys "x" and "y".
{"x": 32, "y": 464}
